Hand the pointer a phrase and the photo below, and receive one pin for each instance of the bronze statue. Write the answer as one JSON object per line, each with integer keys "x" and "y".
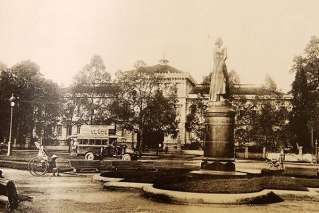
{"x": 219, "y": 77}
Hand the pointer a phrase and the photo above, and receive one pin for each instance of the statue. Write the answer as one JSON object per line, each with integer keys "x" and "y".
{"x": 219, "y": 77}
{"x": 220, "y": 117}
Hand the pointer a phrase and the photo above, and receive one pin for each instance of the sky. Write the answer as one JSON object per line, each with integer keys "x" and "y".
{"x": 262, "y": 37}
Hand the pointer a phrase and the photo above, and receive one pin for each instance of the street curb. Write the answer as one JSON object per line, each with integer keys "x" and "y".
{"x": 201, "y": 198}
{"x": 126, "y": 185}
{"x": 99, "y": 178}
{"x": 179, "y": 197}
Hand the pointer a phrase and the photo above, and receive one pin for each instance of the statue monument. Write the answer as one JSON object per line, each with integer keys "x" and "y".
{"x": 219, "y": 141}
{"x": 219, "y": 77}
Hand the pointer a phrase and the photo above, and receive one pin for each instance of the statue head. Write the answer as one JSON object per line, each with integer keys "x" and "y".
{"x": 219, "y": 42}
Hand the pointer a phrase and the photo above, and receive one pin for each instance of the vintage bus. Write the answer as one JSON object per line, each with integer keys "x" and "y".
{"x": 98, "y": 141}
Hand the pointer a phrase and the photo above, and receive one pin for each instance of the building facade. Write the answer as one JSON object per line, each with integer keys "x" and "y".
{"x": 184, "y": 84}
{"x": 187, "y": 92}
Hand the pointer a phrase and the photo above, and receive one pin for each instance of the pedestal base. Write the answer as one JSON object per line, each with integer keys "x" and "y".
{"x": 219, "y": 141}
{"x": 218, "y": 165}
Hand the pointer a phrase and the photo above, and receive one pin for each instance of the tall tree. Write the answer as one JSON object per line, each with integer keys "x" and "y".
{"x": 38, "y": 105}
{"x": 6, "y": 85}
{"x": 142, "y": 104}
{"x": 91, "y": 82}
{"x": 305, "y": 91}
{"x": 37, "y": 101}
{"x": 195, "y": 121}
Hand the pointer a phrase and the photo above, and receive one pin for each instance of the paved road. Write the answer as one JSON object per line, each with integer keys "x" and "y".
{"x": 79, "y": 194}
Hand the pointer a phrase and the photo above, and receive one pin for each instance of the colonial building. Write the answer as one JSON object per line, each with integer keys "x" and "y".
{"x": 247, "y": 100}
{"x": 184, "y": 85}
{"x": 187, "y": 91}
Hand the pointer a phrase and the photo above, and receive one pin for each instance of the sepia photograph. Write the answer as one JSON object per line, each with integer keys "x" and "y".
{"x": 159, "y": 106}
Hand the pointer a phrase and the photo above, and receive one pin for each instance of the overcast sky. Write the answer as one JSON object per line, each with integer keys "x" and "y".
{"x": 61, "y": 35}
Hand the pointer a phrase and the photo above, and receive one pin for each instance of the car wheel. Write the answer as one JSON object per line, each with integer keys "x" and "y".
{"x": 126, "y": 157}
{"x": 89, "y": 156}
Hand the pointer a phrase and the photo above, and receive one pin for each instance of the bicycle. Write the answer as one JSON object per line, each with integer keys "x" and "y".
{"x": 42, "y": 163}
{"x": 272, "y": 163}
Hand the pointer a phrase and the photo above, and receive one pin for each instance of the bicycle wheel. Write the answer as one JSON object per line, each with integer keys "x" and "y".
{"x": 38, "y": 166}
{"x": 29, "y": 167}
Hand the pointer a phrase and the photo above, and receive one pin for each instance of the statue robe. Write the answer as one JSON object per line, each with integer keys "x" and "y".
{"x": 219, "y": 76}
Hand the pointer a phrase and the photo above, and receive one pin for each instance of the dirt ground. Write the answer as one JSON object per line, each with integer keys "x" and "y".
{"x": 79, "y": 194}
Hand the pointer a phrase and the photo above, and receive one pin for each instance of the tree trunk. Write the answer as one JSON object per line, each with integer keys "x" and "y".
{"x": 139, "y": 142}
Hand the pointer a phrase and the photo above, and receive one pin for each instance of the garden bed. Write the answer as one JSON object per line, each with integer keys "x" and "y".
{"x": 146, "y": 175}
{"x": 213, "y": 184}
{"x": 181, "y": 180}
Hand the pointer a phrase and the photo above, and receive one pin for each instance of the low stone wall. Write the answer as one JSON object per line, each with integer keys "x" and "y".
{"x": 58, "y": 148}
{"x": 290, "y": 157}
{"x": 298, "y": 170}
{"x": 251, "y": 155}
{"x": 193, "y": 152}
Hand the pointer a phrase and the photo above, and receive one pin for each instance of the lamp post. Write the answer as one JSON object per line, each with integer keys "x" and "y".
{"x": 316, "y": 150}
{"x": 12, "y": 103}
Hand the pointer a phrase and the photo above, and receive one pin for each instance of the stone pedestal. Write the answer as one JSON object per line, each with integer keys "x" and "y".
{"x": 219, "y": 143}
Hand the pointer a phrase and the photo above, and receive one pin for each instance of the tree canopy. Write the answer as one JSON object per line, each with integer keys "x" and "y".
{"x": 305, "y": 91}
{"x": 37, "y": 101}
{"x": 142, "y": 103}
{"x": 90, "y": 91}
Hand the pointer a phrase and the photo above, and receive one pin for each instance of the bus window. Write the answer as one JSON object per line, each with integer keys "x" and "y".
{"x": 112, "y": 132}
{"x": 104, "y": 142}
{"x": 97, "y": 142}
{"x": 112, "y": 140}
{"x": 85, "y": 141}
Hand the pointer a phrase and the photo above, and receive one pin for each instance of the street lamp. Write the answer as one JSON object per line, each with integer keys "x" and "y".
{"x": 12, "y": 103}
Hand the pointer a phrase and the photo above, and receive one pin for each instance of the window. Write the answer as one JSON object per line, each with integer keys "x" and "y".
{"x": 112, "y": 132}
{"x": 68, "y": 130}
{"x": 112, "y": 140}
{"x": 59, "y": 130}
{"x": 78, "y": 128}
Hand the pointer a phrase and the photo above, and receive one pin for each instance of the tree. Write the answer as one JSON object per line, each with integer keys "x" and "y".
{"x": 305, "y": 91}
{"x": 263, "y": 127}
{"x": 91, "y": 82}
{"x": 245, "y": 119}
{"x": 197, "y": 109}
{"x": 37, "y": 103}
{"x": 139, "y": 63}
{"x": 38, "y": 108}
{"x": 6, "y": 85}
{"x": 261, "y": 121}
{"x": 233, "y": 80}
{"x": 3, "y": 67}
{"x": 141, "y": 103}
{"x": 270, "y": 84}
{"x": 195, "y": 121}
